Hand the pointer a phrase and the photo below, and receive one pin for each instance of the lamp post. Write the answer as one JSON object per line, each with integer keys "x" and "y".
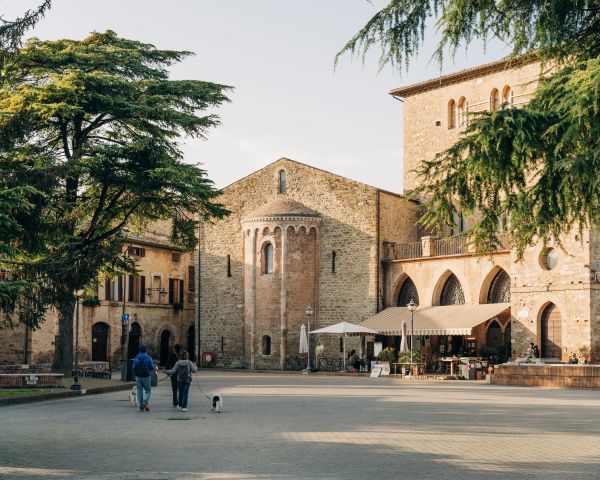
{"x": 76, "y": 385}
{"x": 412, "y": 306}
{"x": 309, "y": 311}
{"x": 124, "y": 316}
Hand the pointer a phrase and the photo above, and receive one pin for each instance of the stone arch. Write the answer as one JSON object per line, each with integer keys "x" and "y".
{"x": 550, "y": 331}
{"x": 494, "y": 100}
{"x": 266, "y": 345}
{"x": 448, "y": 290}
{"x": 191, "y": 341}
{"x": 267, "y": 257}
{"x": 507, "y": 96}
{"x": 405, "y": 291}
{"x": 461, "y": 110}
{"x": 165, "y": 340}
{"x": 135, "y": 335}
{"x": 494, "y": 285}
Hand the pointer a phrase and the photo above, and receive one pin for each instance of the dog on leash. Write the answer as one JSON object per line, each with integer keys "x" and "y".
{"x": 217, "y": 402}
{"x": 133, "y": 397}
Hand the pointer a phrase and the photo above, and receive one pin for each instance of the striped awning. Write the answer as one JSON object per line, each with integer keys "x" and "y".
{"x": 441, "y": 320}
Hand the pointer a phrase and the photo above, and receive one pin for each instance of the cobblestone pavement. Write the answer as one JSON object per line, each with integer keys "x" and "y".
{"x": 310, "y": 427}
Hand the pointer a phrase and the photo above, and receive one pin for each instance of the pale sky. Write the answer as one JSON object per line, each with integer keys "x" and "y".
{"x": 278, "y": 54}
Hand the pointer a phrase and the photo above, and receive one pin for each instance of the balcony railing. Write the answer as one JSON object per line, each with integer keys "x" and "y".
{"x": 440, "y": 247}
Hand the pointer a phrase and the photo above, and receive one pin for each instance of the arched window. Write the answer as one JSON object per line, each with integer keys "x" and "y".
{"x": 267, "y": 259}
{"x": 507, "y": 97}
{"x": 452, "y": 293}
{"x": 494, "y": 100}
{"x": 499, "y": 291}
{"x": 266, "y": 345}
{"x": 462, "y": 111}
{"x": 408, "y": 292}
{"x": 494, "y": 336}
{"x": 282, "y": 187}
{"x": 451, "y": 114}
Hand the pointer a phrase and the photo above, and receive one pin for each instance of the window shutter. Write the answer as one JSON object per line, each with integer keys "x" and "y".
{"x": 181, "y": 291}
{"x": 107, "y": 289}
{"x": 142, "y": 289}
{"x": 143, "y": 253}
{"x": 171, "y": 290}
{"x": 130, "y": 292}
{"x": 120, "y": 288}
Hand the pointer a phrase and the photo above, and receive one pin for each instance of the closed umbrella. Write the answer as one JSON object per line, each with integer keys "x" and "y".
{"x": 403, "y": 342}
{"x": 303, "y": 340}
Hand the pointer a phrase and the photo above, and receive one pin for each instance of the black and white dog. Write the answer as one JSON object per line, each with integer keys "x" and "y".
{"x": 217, "y": 402}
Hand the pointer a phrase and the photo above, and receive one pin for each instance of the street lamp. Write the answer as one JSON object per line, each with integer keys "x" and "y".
{"x": 309, "y": 311}
{"x": 161, "y": 291}
{"x": 412, "y": 306}
{"x": 76, "y": 385}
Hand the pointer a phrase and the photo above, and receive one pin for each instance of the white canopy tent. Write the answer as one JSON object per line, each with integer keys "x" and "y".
{"x": 344, "y": 329}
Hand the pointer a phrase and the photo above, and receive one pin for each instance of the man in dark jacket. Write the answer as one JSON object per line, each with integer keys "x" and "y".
{"x": 174, "y": 357}
{"x": 143, "y": 366}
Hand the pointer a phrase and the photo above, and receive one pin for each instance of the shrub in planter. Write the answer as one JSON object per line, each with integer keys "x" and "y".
{"x": 387, "y": 355}
{"x": 91, "y": 301}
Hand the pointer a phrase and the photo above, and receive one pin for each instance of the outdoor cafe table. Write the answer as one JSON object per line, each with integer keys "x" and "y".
{"x": 419, "y": 365}
{"x": 451, "y": 361}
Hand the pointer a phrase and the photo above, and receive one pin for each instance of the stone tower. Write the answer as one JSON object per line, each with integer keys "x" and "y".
{"x": 281, "y": 257}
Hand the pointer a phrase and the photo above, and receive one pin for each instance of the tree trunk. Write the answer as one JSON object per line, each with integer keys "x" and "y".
{"x": 63, "y": 345}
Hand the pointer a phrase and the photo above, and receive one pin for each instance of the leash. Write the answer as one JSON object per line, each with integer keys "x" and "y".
{"x": 202, "y": 391}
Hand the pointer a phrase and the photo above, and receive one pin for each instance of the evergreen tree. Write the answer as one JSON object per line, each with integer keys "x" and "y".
{"x": 88, "y": 146}
{"x": 537, "y": 166}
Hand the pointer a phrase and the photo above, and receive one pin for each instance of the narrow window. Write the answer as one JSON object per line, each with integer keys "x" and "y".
{"x": 229, "y": 265}
{"x": 192, "y": 279}
{"x": 175, "y": 256}
{"x": 222, "y": 344}
{"x": 494, "y": 100}
{"x": 341, "y": 344}
{"x": 268, "y": 258}
{"x": 266, "y": 345}
{"x": 107, "y": 290}
{"x": 451, "y": 114}
{"x": 333, "y": 255}
{"x": 462, "y": 112}
{"x": 282, "y": 188}
{"x": 507, "y": 97}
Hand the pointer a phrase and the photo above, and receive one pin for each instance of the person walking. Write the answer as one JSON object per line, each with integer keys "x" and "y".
{"x": 183, "y": 370}
{"x": 174, "y": 357}
{"x": 143, "y": 366}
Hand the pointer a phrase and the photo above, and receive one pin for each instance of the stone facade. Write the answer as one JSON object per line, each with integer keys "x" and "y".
{"x": 326, "y": 232}
{"x": 164, "y": 267}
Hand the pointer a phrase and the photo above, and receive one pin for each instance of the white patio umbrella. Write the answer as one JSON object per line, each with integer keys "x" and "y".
{"x": 403, "y": 342}
{"x": 303, "y": 340}
{"x": 344, "y": 329}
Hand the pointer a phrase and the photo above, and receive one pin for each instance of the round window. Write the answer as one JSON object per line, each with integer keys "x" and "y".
{"x": 549, "y": 258}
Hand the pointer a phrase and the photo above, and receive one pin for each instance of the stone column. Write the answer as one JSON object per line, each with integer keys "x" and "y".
{"x": 283, "y": 298}
{"x": 252, "y": 300}
{"x": 428, "y": 246}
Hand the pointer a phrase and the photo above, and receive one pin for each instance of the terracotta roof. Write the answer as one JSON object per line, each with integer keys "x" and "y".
{"x": 283, "y": 207}
{"x": 467, "y": 73}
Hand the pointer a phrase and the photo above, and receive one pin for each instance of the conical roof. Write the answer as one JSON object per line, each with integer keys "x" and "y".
{"x": 282, "y": 207}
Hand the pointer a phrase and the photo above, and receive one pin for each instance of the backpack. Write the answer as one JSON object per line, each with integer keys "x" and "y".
{"x": 183, "y": 372}
{"x": 140, "y": 367}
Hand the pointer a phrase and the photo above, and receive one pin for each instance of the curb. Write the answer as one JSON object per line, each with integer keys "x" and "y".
{"x": 64, "y": 394}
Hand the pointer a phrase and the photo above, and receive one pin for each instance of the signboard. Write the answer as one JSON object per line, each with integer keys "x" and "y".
{"x": 125, "y": 317}
{"x": 382, "y": 367}
{"x": 375, "y": 372}
{"x": 377, "y": 347}
{"x": 524, "y": 313}
{"x": 31, "y": 379}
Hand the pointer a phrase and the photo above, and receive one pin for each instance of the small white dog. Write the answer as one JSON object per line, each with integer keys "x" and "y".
{"x": 217, "y": 402}
{"x": 133, "y": 397}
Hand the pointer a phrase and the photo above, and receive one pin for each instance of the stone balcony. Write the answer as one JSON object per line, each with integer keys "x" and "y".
{"x": 436, "y": 247}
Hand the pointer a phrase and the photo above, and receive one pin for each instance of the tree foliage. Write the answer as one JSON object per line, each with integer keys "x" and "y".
{"x": 90, "y": 128}
{"x": 534, "y": 166}
{"x": 12, "y": 31}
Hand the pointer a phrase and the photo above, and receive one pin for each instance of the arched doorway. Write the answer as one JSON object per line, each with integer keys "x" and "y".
{"x": 135, "y": 333}
{"x": 165, "y": 340}
{"x": 494, "y": 336}
{"x": 100, "y": 342}
{"x": 408, "y": 292}
{"x": 191, "y": 341}
{"x": 508, "y": 341}
{"x": 452, "y": 293}
{"x": 551, "y": 332}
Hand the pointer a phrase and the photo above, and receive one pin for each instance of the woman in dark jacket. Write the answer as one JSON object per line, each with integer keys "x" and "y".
{"x": 174, "y": 357}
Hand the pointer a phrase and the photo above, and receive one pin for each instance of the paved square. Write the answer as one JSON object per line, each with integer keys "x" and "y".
{"x": 310, "y": 427}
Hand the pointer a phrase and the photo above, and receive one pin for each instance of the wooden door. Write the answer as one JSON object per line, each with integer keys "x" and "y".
{"x": 100, "y": 342}
{"x": 551, "y": 333}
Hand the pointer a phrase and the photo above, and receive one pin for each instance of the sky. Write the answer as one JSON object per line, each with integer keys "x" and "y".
{"x": 278, "y": 55}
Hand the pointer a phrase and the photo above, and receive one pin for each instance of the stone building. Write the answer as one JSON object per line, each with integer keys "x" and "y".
{"x": 296, "y": 236}
{"x": 554, "y": 295}
{"x": 160, "y": 303}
